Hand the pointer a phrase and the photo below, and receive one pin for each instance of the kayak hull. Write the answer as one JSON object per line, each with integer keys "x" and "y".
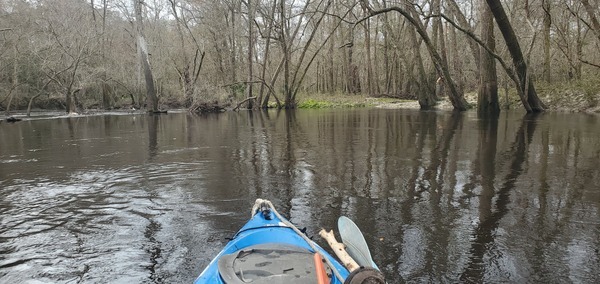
{"x": 265, "y": 229}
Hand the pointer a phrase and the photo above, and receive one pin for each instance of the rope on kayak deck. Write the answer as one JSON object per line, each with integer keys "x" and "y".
{"x": 260, "y": 203}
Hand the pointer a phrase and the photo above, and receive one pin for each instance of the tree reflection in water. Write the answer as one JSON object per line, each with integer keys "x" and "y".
{"x": 440, "y": 196}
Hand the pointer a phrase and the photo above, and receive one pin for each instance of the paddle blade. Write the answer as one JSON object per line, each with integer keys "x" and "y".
{"x": 356, "y": 246}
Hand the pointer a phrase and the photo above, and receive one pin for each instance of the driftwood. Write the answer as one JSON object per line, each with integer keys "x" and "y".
{"x": 340, "y": 250}
{"x": 207, "y": 107}
{"x": 12, "y": 119}
{"x": 263, "y": 83}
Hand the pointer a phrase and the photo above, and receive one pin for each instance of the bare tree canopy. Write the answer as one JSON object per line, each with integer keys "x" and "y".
{"x": 78, "y": 54}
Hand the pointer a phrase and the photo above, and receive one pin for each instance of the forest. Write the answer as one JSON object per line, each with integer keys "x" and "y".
{"x": 77, "y": 55}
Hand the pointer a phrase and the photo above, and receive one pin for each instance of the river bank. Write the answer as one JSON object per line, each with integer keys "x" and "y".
{"x": 578, "y": 97}
{"x": 573, "y": 102}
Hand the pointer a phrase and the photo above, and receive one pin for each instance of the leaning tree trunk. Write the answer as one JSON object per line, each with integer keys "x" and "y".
{"x": 151, "y": 98}
{"x": 529, "y": 98}
{"x": 425, "y": 92}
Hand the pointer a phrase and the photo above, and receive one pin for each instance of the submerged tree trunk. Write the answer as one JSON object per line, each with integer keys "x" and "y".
{"x": 529, "y": 98}
{"x": 70, "y": 102}
{"x": 106, "y": 97}
{"x": 425, "y": 91}
{"x": 265, "y": 103}
{"x": 250, "y": 52}
{"x": 284, "y": 36}
{"x": 487, "y": 97}
{"x": 439, "y": 43}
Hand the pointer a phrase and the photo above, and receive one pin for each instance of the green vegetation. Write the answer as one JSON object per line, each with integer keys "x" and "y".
{"x": 310, "y": 103}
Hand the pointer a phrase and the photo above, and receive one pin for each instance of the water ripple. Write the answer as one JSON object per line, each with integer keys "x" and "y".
{"x": 94, "y": 222}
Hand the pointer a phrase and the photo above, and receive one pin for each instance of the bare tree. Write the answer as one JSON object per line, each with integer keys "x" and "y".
{"x": 456, "y": 97}
{"x": 270, "y": 18}
{"x": 188, "y": 68}
{"x": 287, "y": 47}
{"x": 67, "y": 49}
{"x": 462, "y": 20}
{"x": 294, "y": 74}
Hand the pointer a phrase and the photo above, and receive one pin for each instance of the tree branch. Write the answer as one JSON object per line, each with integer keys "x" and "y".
{"x": 589, "y": 63}
{"x": 242, "y": 102}
{"x": 511, "y": 73}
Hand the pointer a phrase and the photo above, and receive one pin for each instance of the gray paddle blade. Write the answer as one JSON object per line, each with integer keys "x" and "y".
{"x": 356, "y": 246}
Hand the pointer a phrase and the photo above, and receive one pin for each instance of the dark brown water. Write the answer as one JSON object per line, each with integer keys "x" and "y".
{"x": 441, "y": 197}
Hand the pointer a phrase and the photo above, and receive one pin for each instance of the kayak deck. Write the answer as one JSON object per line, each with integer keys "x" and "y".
{"x": 274, "y": 263}
{"x": 265, "y": 250}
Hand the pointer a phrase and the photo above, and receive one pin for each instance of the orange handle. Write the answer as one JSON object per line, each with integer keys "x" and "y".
{"x": 322, "y": 277}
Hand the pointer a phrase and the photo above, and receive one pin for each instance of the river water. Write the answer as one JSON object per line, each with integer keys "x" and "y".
{"x": 440, "y": 197}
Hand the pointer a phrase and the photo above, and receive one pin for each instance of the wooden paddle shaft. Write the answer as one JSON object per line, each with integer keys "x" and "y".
{"x": 339, "y": 249}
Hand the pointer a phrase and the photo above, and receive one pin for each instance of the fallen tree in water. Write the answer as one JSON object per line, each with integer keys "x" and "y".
{"x": 205, "y": 107}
